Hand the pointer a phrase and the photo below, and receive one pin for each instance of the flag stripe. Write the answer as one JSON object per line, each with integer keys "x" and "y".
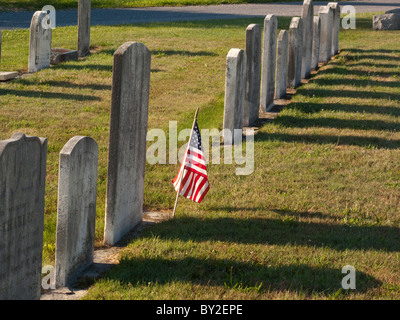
{"x": 196, "y": 159}
{"x": 203, "y": 192}
{"x": 199, "y": 186}
{"x": 192, "y": 178}
{"x": 196, "y": 169}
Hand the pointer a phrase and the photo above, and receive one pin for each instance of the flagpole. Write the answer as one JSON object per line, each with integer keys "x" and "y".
{"x": 183, "y": 163}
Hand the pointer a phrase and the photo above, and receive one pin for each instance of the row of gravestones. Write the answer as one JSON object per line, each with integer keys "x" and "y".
{"x": 41, "y": 55}
{"x": 23, "y": 168}
{"x": 253, "y": 82}
{"x": 23, "y": 176}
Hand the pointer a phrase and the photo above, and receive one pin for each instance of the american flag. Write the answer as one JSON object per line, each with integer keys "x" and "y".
{"x": 193, "y": 170}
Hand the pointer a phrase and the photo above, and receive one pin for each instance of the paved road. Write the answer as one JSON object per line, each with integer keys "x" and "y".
{"x": 21, "y": 19}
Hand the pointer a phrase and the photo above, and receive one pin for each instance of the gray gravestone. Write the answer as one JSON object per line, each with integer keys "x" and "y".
{"x": 281, "y": 65}
{"x": 335, "y": 28}
{"x": 253, "y": 74}
{"x": 315, "y": 48}
{"x": 295, "y": 52}
{"x": 325, "y": 45}
{"x": 40, "y": 42}
{"x": 235, "y": 84}
{"x": 22, "y": 189}
{"x": 84, "y": 10}
{"x": 127, "y": 147}
{"x": 268, "y": 62}
{"x": 77, "y": 193}
{"x": 4, "y": 76}
{"x": 307, "y": 16}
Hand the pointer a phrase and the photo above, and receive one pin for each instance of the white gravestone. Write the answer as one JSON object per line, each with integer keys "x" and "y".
{"x": 336, "y": 27}
{"x": 268, "y": 63}
{"x": 325, "y": 45}
{"x": 77, "y": 194}
{"x": 316, "y": 38}
{"x": 307, "y": 16}
{"x": 281, "y": 65}
{"x": 127, "y": 145}
{"x": 39, "y": 42}
{"x": 253, "y": 74}
{"x": 295, "y": 52}
{"x": 235, "y": 83}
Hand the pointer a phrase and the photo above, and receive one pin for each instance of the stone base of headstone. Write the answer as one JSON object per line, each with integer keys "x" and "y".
{"x": 4, "y": 76}
{"x": 59, "y": 55}
{"x": 387, "y": 21}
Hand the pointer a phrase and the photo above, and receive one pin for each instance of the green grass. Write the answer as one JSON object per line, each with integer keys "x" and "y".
{"x": 66, "y": 4}
{"x": 324, "y": 193}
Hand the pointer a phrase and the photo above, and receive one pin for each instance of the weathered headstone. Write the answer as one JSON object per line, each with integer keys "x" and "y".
{"x": 127, "y": 146}
{"x": 295, "y": 52}
{"x": 253, "y": 74}
{"x": 22, "y": 189}
{"x": 307, "y": 15}
{"x": 76, "y": 208}
{"x": 325, "y": 45}
{"x": 84, "y": 13}
{"x": 40, "y": 42}
{"x": 316, "y": 37}
{"x": 336, "y": 27}
{"x": 235, "y": 86}
{"x": 268, "y": 62}
{"x": 282, "y": 65}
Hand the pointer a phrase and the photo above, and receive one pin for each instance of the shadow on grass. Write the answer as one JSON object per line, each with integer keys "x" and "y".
{"x": 66, "y": 84}
{"x": 307, "y": 107}
{"x": 92, "y": 67}
{"x": 347, "y": 70}
{"x": 292, "y": 121}
{"x": 290, "y": 213}
{"x": 183, "y": 53}
{"x": 48, "y": 95}
{"x": 169, "y": 53}
{"x": 357, "y": 50}
{"x": 364, "y": 56}
{"x": 304, "y": 214}
{"x": 356, "y": 93}
{"x": 356, "y": 82}
{"x": 366, "y": 142}
{"x": 240, "y": 276}
{"x": 281, "y": 232}
{"x": 258, "y": 275}
{"x": 375, "y": 64}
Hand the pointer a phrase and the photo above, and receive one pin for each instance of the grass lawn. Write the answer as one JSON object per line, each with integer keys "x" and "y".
{"x": 66, "y": 4}
{"x": 325, "y": 191}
